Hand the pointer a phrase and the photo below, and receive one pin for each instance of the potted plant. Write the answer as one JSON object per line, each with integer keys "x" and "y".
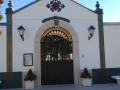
{"x": 29, "y": 80}
{"x": 86, "y": 78}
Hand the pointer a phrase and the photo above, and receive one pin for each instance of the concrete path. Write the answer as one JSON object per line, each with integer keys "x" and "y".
{"x": 76, "y": 87}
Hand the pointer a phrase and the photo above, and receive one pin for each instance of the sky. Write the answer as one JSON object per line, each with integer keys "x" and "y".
{"x": 111, "y": 8}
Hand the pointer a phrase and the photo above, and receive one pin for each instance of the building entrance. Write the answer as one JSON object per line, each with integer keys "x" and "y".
{"x": 56, "y": 57}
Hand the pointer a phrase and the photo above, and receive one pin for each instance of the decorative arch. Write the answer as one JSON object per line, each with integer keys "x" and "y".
{"x": 37, "y": 58}
{"x": 57, "y": 31}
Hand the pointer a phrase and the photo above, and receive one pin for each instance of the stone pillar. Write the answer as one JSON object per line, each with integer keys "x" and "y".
{"x": 9, "y": 36}
{"x": 101, "y": 35}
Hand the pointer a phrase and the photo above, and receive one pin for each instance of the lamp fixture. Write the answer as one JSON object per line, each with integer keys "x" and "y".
{"x": 21, "y": 31}
{"x": 91, "y": 31}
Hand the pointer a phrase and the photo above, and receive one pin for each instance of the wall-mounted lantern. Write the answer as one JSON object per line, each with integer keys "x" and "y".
{"x": 21, "y": 31}
{"x": 91, "y": 31}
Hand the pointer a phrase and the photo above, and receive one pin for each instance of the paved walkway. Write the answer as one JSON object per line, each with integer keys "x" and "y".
{"x": 76, "y": 87}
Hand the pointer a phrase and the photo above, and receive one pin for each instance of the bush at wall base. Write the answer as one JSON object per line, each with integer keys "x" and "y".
{"x": 86, "y": 78}
{"x": 29, "y": 80}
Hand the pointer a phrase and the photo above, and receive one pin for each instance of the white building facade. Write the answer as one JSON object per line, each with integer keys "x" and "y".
{"x": 98, "y": 49}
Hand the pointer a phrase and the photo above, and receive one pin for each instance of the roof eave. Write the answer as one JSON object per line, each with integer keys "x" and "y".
{"x": 39, "y": 0}
{"x": 25, "y": 6}
{"x": 83, "y": 6}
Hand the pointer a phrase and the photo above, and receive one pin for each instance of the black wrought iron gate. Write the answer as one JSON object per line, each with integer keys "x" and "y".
{"x": 57, "y": 63}
{"x": 57, "y": 72}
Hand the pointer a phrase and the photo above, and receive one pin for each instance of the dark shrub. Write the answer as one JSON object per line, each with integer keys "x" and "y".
{"x": 30, "y": 76}
{"x": 85, "y": 74}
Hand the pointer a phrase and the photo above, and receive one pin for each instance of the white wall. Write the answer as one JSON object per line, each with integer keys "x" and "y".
{"x": 112, "y": 44}
{"x": 89, "y": 49}
{"x": 31, "y": 18}
{"x": 3, "y": 49}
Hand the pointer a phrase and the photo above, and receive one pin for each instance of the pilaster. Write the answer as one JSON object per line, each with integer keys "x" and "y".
{"x": 101, "y": 35}
{"x": 9, "y": 36}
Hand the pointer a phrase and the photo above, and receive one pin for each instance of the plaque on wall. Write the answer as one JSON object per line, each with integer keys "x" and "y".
{"x": 28, "y": 59}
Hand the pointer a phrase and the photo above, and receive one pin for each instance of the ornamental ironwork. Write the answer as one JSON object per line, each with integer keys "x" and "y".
{"x": 56, "y": 45}
{"x": 55, "y": 5}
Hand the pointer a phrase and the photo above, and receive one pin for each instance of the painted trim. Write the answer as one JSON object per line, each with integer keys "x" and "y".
{"x": 101, "y": 41}
{"x": 10, "y": 80}
{"x": 3, "y": 24}
{"x": 104, "y": 75}
{"x": 111, "y": 23}
{"x": 55, "y": 17}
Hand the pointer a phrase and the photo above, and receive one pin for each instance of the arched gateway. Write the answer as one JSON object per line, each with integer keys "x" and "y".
{"x": 56, "y": 55}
